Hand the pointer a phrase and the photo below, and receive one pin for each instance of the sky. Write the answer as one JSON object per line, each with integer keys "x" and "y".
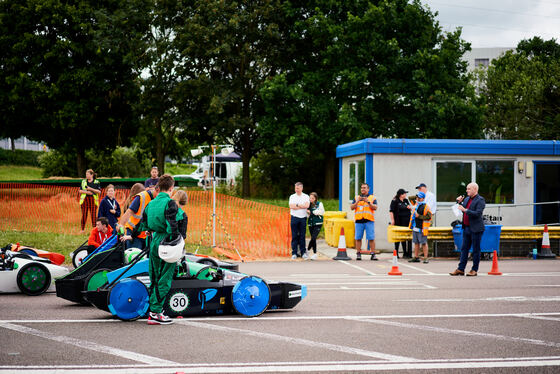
{"x": 499, "y": 23}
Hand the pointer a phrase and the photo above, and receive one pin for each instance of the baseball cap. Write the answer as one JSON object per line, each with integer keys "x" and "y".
{"x": 421, "y": 185}
{"x": 401, "y": 191}
{"x": 421, "y": 195}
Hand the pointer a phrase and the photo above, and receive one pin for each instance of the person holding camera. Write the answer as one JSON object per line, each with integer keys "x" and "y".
{"x": 365, "y": 205}
{"x": 420, "y": 221}
{"x": 400, "y": 216}
{"x": 472, "y": 208}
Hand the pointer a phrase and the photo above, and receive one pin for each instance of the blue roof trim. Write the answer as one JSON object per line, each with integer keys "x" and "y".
{"x": 449, "y": 147}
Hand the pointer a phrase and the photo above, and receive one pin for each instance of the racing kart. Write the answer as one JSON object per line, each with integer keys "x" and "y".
{"x": 111, "y": 255}
{"x": 32, "y": 275}
{"x": 55, "y": 258}
{"x": 197, "y": 289}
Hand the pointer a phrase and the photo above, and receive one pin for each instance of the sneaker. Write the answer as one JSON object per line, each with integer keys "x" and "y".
{"x": 374, "y": 258}
{"x": 305, "y": 256}
{"x": 426, "y": 261}
{"x": 294, "y": 257}
{"x": 314, "y": 256}
{"x": 159, "y": 319}
{"x": 415, "y": 259}
{"x": 358, "y": 256}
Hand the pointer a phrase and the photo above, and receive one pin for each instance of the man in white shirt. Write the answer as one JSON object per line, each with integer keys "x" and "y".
{"x": 430, "y": 197}
{"x": 299, "y": 202}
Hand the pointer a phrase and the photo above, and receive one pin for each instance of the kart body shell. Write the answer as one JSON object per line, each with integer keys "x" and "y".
{"x": 110, "y": 256}
{"x": 55, "y": 258}
{"x": 32, "y": 275}
{"x": 198, "y": 290}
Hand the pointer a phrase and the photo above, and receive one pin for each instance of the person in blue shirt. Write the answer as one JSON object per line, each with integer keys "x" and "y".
{"x": 109, "y": 207}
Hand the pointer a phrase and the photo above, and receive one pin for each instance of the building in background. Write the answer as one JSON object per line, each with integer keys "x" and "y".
{"x": 23, "y": 143}
{"x": 512, "y": 175}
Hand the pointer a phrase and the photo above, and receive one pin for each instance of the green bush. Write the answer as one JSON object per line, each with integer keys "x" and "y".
{"x": 57, "y": 163}
{"x": 19, "y": 157}
{"x": 123, "y": 162}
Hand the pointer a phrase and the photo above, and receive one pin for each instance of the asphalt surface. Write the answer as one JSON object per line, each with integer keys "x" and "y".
{"x": 356, "y": 318}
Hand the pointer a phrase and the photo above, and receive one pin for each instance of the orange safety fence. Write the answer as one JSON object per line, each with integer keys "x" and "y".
{"x": 255, "y": 230}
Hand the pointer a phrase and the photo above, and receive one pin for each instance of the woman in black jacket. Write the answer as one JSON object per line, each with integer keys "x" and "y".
{"x": 400, "y": 216}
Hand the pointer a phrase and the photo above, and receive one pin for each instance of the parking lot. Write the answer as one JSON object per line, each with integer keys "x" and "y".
{"x": 356, "y": 318}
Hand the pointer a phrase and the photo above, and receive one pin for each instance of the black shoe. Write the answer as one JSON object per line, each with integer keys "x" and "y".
{"x": 415, "y": 259}
{"x": 373, "y": 258}
{"x": 358, "y": 257}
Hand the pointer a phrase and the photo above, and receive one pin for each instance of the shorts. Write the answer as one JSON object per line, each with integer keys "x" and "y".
{"x": 419, "y": 238}
{"x": 369, "y": 228}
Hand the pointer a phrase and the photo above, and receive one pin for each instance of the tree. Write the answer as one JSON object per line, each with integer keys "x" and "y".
{"x": 68, "y": 71}
{"x": 356, "y": 69}
{"x": 228, "y": 51}
{"x": 522, "y": 91}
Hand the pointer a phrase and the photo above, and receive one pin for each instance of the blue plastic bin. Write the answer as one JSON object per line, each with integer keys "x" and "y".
{"x": 490, "y": 238}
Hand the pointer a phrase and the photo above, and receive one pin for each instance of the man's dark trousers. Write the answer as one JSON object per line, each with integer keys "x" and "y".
{"x": 298, "y": 226}
{"x": 470, "y": 238}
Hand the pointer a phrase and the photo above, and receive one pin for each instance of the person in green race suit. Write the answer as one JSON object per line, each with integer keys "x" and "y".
{"x": 160, "y": 218}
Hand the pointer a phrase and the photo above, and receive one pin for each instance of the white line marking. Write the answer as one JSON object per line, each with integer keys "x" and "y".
{"x": 396, "y": 281}
{"x": 543, "y": 285}
{"x": 504, "y": 298}
{"x": 459, "y": 332}
{"x": 292, "y": 340}
{"x": 88, "y": 345}
{"x": 417, "y": 268}
{"x": 356, "y": 267}
{"x": 271, "y": 316}
{"x": 541, "y": 317}
{"x": 295, "y": 367}
{"x": 370, "y": 288}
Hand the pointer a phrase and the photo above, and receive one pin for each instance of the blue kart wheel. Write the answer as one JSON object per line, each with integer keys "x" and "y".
{"x": 251, "y": 296}
{"x": 128, "y": 299}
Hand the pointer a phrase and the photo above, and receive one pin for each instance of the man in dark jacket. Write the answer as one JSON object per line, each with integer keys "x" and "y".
{"x": 473, "y": 227}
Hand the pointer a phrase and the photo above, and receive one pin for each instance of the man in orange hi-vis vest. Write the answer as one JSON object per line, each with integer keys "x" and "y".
{"x": 365, "y": 205}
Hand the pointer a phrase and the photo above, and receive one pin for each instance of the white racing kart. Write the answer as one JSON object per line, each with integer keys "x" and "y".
{"x": 32, "y": 275}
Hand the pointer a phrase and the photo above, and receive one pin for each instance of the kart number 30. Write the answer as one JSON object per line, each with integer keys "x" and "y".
{"x": 179, "y": 302}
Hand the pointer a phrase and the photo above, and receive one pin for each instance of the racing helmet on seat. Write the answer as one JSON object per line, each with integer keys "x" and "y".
{"x": 171, "y": 251}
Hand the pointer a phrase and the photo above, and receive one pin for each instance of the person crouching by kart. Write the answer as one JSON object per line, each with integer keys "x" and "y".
{"x": 101, "y": 232}
{"x": 160, "y": 218}
{"x": 181, "y": 199}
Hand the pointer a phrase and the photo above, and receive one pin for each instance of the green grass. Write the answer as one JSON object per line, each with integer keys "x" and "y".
{"x": 17, "y": 173}
{"x": 179, "y": 168}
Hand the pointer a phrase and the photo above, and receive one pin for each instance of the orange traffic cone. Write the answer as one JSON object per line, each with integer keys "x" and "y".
{"x": 395, "y": 269}
{"x": 545, "y": 246}
{"x": 495, "y": 270}
{"x": 341, "y": 255}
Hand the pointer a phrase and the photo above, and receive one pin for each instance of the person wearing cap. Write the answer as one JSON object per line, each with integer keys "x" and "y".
{"x": 400, "y": 216}
{"x": 420, "y": 221}
{"x": 364, "y": 220}
{"x": 430, "y": 197}
{"x": 151, "y": 182}
{"x": 473, "y": 227}
{"x": 160, "y": 218}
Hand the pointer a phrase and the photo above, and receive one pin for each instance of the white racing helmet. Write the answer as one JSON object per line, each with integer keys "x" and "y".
{"x": 171, "y": 251}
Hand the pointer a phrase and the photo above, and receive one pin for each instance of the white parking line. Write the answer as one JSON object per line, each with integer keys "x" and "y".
{"x": 299, "y": 341}
{"x": 356, "y": 267}
{"x": 88, "y": 345}
{"x": 542, "y": 318}
{"x": 503, "y": 298}
{"x": 294, "y": 367}
{"x": 417, "y": 268}
{"x": 459, "y": 332}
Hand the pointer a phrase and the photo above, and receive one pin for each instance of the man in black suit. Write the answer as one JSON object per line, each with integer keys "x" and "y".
{"x": 473, "y": 226}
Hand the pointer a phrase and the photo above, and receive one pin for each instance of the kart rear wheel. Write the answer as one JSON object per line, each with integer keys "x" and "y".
{"x": 128, "y": 299}
{"x": 96, "y": 279}
{"x": 251, "y": 296}
{"x": 33, "y": 279}
{"x": 79, "y": 256}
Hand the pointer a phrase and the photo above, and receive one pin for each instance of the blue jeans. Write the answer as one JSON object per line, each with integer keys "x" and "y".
{"x": 470, "y": 238}
{"x": 298, "y": 226}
